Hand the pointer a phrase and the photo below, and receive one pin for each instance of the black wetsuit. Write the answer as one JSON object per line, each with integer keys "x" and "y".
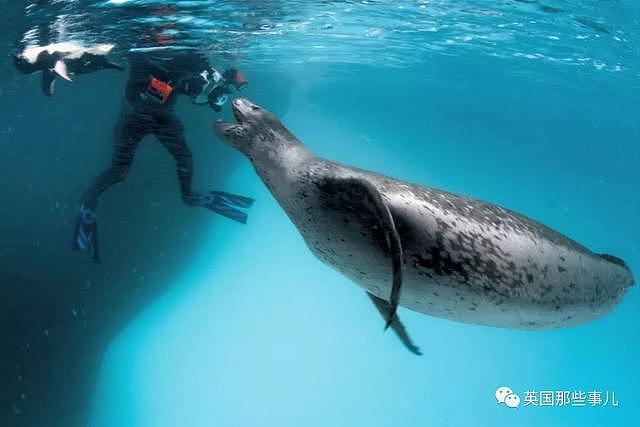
{"x": 144, "y": 114}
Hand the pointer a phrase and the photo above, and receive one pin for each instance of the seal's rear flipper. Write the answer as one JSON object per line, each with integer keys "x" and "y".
{"x": 360, "y": 198}
{"x": 396, "y": 325}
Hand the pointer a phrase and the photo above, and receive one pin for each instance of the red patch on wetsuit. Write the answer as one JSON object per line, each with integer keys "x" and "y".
{"x": 159, "y": 89}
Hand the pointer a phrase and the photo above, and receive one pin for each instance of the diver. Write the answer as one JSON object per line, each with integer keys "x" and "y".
{"x": 156, "y": 79}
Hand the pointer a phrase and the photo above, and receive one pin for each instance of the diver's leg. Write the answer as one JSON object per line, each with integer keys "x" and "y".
{"x": 170, "y": 134}
{"x": 128, "y": 135}
{"x": 130, "y": 130}
{"x": 225, "y": 204}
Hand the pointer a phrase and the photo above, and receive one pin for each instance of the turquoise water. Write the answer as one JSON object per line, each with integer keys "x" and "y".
{"x": 193, "y": 320}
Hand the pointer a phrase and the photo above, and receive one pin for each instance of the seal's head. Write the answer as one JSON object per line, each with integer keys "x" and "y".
{"x": 256, "y": 131}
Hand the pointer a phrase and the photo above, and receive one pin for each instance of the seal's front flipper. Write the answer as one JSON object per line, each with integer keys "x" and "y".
{"x": 396, "y": 324}
{"x": 359, "y": 199}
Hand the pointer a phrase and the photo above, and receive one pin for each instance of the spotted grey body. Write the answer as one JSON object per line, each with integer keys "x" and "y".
{"x": 463, "y": 259}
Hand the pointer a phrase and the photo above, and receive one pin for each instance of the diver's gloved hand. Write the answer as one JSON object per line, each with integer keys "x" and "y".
{"x": 201, "y": 86}
{"x": 218, "y": 97}
{"x": 215, "y": 76}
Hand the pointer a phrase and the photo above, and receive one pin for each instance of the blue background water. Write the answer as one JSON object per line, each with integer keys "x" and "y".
{"x": 253, "y": 330}
{"x": 258, "y": 331}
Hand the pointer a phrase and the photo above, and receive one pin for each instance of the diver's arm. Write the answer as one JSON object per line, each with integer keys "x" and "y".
{"x": 230, "y": 78}
{"x": 206, "y": 85}
{"x": 218, "y": 97}
{"x": 187, "y": 71}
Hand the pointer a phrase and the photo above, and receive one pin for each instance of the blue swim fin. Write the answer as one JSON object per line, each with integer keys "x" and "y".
{"x": 86, "y": 233}
{"x": 226, "y": 204}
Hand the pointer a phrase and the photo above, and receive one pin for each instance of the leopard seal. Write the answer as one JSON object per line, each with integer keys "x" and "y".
{"x": 425, "y": 249}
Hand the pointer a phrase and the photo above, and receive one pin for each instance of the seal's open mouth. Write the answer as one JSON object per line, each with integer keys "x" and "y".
{"x": 241, "y": 109}
{"x": 236, "y": 112}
